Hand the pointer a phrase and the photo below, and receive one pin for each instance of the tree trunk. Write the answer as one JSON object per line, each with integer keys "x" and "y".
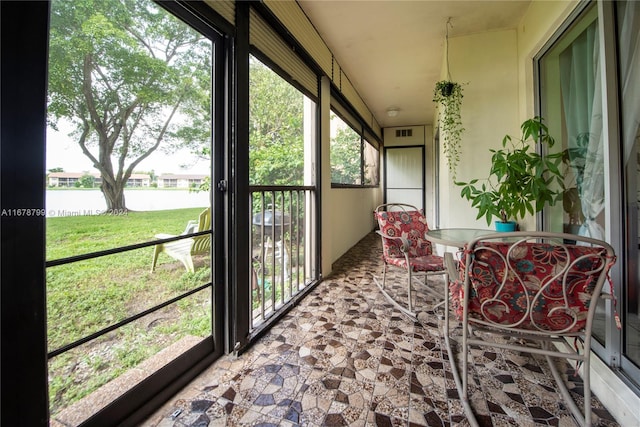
{"x": 114, "y": 196}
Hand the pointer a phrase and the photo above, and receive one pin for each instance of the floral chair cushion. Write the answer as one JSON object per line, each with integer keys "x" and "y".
{"x": 422, "y": 263}
{"x": 410, "y": 225}
{"x": 536, "y": 286}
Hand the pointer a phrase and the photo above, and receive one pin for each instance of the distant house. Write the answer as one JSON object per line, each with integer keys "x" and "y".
{"x": 180, "y": 181}
{"x": 69, "y": 179}
{"x": 139, "y": 180}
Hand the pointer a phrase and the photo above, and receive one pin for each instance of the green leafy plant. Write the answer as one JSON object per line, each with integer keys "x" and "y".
{"x": 520, "y": 180}
{"x": 448, "y": 95}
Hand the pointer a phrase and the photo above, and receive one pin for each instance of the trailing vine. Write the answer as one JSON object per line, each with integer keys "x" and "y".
{"x": 448, "y": 95}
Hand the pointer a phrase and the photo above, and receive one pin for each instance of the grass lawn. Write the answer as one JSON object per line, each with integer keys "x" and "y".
{"x": 75, "y": 235}
{"x": 84, "y": 297}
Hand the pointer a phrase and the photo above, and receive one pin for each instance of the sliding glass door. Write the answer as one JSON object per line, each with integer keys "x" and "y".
{"x": 571, "y": 82}
{"x": 601, "y": 196}
{"x": 131, "y": 282}
{"x": 628, "y": 35}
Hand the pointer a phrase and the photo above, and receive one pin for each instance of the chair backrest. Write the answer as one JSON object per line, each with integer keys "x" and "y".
{"x": 202, "y": 244}
{"x": 402, "y": 220}
{"x": 533, "y": 281}
{"x": 204, "y": 220}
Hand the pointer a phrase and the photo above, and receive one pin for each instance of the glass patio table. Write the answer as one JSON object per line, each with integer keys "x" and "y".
{"x": 456, "y": 237}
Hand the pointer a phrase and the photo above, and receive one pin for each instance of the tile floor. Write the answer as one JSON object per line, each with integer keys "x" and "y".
{"x": 345, "y": 357}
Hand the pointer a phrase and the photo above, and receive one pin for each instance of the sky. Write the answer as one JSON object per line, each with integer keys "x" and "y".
{"x": 64, "y": 152}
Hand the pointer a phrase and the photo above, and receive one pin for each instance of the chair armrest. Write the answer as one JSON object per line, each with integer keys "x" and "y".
{"x": 164, "y": 236}
{"x": 404, "y": 246}
{"x": 192, "y": 227}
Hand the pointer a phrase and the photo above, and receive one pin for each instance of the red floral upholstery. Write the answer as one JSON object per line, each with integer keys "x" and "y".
{"x": 403, "y": 230}
{"x": 423, "y": 263}
{"x": 409, "y": 225}
{"x": 528, "y": 291}
{"x": 533, "y": 286}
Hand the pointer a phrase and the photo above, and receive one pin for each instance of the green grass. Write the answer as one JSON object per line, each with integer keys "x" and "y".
{"x": 75, "y": 235}
{"x": 84, "y": 297}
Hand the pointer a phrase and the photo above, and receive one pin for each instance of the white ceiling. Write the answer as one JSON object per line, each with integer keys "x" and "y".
{"x": 392, "y": 50}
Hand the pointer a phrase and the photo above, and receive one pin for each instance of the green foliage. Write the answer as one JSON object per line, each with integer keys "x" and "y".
{"x": 191, "y": 280}
{"x": 276, "y": 131}
{"x": 87, "y": 181}
{"x": 129, "y": 77}
{"x": 449, "y": 96}
{"x": 205, "y": 185}
{"x": 520, "y": 180}
{"x": 345, "y": 157}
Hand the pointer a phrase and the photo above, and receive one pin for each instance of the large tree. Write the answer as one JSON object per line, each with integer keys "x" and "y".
{"x": 129, "y": 77}
{"x": 276, "y": 129}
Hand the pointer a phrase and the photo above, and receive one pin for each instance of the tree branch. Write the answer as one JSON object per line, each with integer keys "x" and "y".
{"x": 87, "y": 83}
{"x": 160, "y": 136}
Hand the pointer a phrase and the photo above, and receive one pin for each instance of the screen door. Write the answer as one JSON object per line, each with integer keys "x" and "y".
{"x": 404, "y": 175}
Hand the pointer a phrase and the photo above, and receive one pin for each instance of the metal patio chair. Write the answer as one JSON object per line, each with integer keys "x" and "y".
{"x": 529, "y": 292}
{"x": 402, "y": 228}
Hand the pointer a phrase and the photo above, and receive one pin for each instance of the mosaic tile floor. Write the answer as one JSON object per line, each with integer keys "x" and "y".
{"x": 345, "y": 357}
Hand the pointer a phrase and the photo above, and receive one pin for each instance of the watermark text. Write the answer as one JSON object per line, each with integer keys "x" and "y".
{"x": 50, "y": 213}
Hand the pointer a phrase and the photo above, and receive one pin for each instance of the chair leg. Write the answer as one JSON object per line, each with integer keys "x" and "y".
{"x": 586, "y": 378}
{"x": 389, "y": 298}
{"x": 444, "y": 297}
{"x": 461, "y": 383}
{"x": 187, "y": 261}
{"x": 584, "y": 419}
{"x": 465, "y": 361}
{"x": 384, "y": 276}
{"x": 410, "y": 303}
{"x": 156, "y": 251}
{"x": 407, "y": 310}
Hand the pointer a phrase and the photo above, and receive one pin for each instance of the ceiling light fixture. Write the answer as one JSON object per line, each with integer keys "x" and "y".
{"x": 393, "y": 111}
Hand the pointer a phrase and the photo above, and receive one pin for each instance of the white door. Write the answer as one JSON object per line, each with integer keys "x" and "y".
{"x": 404, "y": 175}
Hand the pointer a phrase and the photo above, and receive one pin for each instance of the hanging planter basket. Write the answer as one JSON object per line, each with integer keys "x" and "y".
{"x": 447, "y": 89}
{"x": 448, "y": 96}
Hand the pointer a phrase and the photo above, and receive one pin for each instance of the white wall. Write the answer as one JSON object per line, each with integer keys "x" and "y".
{"x": 486, "y": 64}
{"x": 417, "y": 137}
{"x": 542, "y": 19}
{"x": 351, "y": 217}
{"x": 347, "y": 213}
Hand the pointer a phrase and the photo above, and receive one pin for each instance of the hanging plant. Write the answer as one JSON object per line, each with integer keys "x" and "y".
{"x": 448, "y": 95}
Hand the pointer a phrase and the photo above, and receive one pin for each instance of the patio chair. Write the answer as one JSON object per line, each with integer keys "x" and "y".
{"x": 402, "y": 228}
{"x": 529, "y": 292}
{"x": 183, "y": 250}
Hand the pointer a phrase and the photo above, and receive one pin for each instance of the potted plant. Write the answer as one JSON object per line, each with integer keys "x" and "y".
{"x": 448, "y": 95}
{"x": 520, "y": 180}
